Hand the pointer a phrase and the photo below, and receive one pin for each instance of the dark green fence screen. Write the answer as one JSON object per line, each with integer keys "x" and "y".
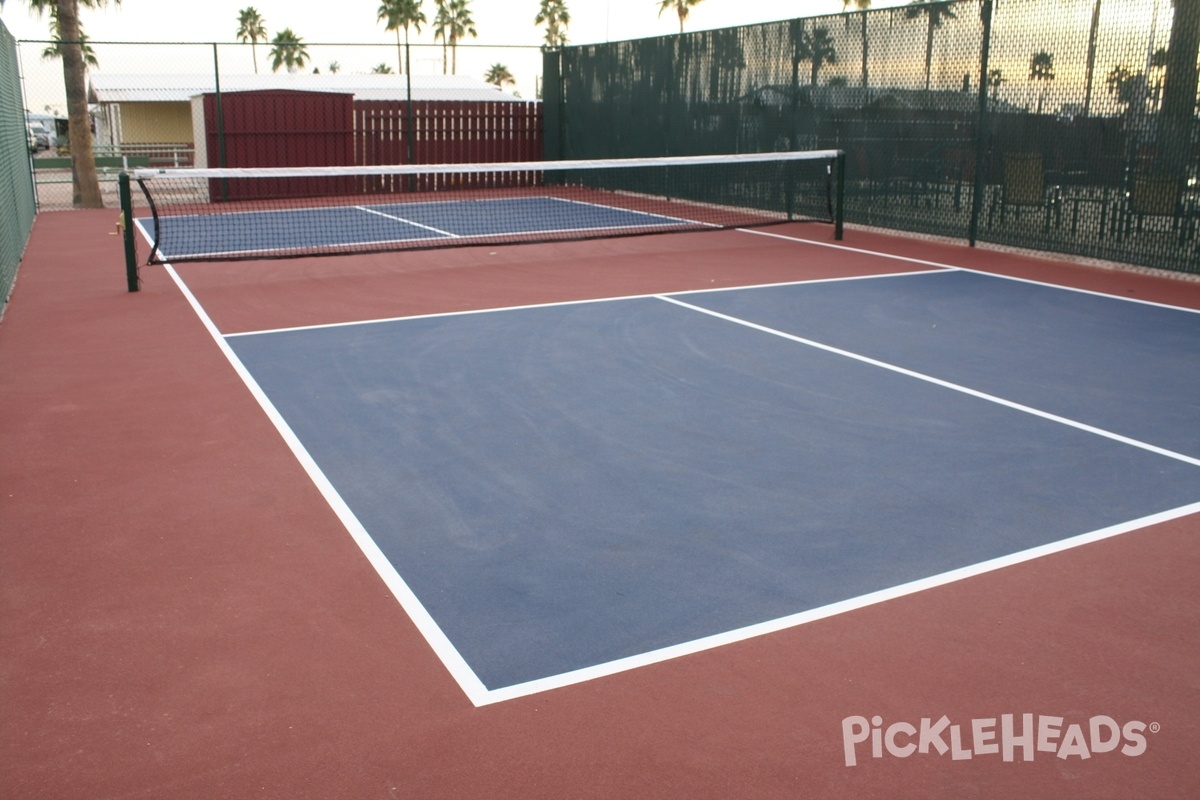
{"x": 16, "y": 180}
{"x": 1061, "y": 125}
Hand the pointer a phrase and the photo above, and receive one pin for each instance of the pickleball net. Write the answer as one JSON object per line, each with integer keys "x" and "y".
{"x": 226, "y": 214}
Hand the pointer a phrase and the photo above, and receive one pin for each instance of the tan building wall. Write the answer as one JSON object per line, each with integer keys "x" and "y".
{"x": 156, "y": 123}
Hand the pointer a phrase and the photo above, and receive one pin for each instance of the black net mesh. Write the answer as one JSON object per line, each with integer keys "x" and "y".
{"x": 221, "y": 214}
{"x": 1066, "y": 126}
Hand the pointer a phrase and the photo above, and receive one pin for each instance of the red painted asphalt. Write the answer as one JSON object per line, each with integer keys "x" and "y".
{"x": 183, "y": 617}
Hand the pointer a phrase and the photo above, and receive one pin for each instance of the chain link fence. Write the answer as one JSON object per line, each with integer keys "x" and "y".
{"x": 16, "y": 188}
{"x": 144, "y": 97}
{"x": 1055, "y": 125}
{"x": 1042, "y": 124}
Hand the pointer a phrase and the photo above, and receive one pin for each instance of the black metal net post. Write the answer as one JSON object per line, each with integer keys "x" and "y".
{"x": 129, "y": 237}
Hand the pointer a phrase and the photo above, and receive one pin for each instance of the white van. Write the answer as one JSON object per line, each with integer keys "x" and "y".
{"x": 47, "y": 137}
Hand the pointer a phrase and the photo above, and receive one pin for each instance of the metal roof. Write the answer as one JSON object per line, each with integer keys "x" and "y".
{"x": 109, "y": 88}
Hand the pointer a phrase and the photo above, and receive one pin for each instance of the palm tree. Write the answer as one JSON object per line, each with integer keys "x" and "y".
{"x": 682, "y": 7}
{"x": 1091, "y": 59}
{"x": 862, "y": 6}
{"x": 401, "y": 14}
{"x": 554, "y": 14}
{"x": 287, "y": 50}
{"x": 381, "y": 69}
{"x": 54, "y": 49}
{"x": 935, "y": 13}
{"x": 499, "y": 75}
{"x": 1041, "y": 68}
{"x": 995, "y": 79}
{"x": 251, "y": 28}
{"x": 1158, "y": 65}
{"x": 1177, "y": 111}
{"x": 817, "y": 48}
{"x": 1125, "y": 85}
{"x": 453, "y": 22}
{"x": 727, "y": 64}
{"x": 70, "y": 47}
{"x": 441, "y": 30}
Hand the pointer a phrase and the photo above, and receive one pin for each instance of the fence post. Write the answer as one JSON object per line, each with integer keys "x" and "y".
{"x": 985, "y": 11}
{"x": 220, "y": 121}
{"x": 553, "y": 118}
{"x": 839, "y": 207}
{"x": 408, "y": 112}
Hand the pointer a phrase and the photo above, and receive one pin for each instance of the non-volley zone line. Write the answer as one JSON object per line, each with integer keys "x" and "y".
{"x": 674, "y": 297}
{"x": 589, "y": 301}
{"x": 451, "y": 621}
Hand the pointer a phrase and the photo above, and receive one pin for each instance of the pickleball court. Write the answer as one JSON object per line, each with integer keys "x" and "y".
{"x": 662, "y": 499}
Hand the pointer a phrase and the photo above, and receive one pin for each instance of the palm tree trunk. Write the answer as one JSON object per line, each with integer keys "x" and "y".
{"x": 1179, "y": 86}
{"x": 1177, "y": 113}
{"x": 85, "y": 184}
{"x": 864, "y": 53}
{"x": 929, "y": 51}
{"x": 1091, "y": 59}
{"x": 400, "y": 51}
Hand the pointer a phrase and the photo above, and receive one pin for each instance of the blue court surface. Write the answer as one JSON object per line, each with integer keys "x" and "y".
{"x": 562, "y": 487}
{"x": 298, "y": 229}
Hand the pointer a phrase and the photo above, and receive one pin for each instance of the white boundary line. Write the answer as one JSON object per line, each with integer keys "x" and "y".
{"x": 955, "y": 267}
{"x": 480, "y": 695}
{"x": 437, "y": 639}
{"x": 831, "y": 610}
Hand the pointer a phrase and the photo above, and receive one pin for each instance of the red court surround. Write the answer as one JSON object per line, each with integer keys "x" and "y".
{"x": 183, "y": 617}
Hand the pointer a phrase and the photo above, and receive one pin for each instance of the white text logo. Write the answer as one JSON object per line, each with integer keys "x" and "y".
{"x": 1010, "y": 736}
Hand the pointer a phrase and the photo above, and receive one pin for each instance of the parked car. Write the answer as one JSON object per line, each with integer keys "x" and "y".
{"x": 46, "y": 138}
{"x": 33, "y": 142}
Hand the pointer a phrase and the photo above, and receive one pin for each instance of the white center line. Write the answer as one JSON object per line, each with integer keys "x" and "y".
{"x": 939, "y": 382}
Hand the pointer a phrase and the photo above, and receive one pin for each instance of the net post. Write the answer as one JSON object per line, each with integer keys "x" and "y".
{"x": 791, "y": 176}
{"x": 132, "y": 280}
{"x": 839, "y": 195}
